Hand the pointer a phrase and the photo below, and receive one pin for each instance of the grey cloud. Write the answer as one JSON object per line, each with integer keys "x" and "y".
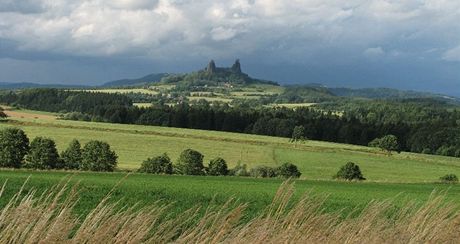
{"x": 307, "y": 33}
{"x": 21, "y": 6}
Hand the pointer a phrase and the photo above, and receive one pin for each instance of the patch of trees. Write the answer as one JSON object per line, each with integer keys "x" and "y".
{"x": 190, "y": 162}
{"x": 41, "y": 153}
{"x": 387, "y": 143}
{"x": 305, "y": 94}
{"x": 57, "y": 100}
{"x": 420, "y": 125}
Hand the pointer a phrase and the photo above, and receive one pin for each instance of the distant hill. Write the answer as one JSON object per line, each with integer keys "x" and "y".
{"x": 212, "y": 75}
{"x": 136, "y": 82}
{"x": 388, "y": 93}
{"x": 311, "y": 93}
{"x": 24, "y": 85}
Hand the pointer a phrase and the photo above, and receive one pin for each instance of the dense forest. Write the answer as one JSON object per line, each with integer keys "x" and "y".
{"x": 421, "y": 125}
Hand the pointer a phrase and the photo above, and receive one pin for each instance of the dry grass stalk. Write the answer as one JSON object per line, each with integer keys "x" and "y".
{"x": 48, "y": 218}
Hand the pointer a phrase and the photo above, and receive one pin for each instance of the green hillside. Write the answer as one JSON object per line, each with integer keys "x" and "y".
{"x": 316, "y": 160}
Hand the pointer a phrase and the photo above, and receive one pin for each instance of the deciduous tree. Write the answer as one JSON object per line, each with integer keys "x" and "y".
{"x": 97, "y": 156}
{"x": 191, "y": 163}
{"x": 72, "y": 157}
{"x": 43, "y": 154}
{"x": 14, "y": 146}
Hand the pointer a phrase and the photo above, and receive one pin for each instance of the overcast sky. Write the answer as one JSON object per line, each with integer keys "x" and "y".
{"x": 404, "y": 44}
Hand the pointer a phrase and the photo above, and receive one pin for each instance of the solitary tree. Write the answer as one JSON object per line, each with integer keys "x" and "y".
{"x": 72, "y": 157}
{"x": 349, "y": 171}
{"x": 298, "y": 134}
{"x": 14, "y": 145}
{"x": 43, "y": 154}
{"x": 389, "y": 143}
{"x": 157, "y": 165}
{"x": 191, "y": 163}
{"x": 97, "y": 156}
{"x": 287, "y": 170}
{"x": 218, "y": 166}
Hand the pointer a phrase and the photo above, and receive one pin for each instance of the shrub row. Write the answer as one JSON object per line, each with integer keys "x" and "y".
{"x": 41, "y": 153}
{"x": 351, "y": 171}
{"x": 191, "y": 163}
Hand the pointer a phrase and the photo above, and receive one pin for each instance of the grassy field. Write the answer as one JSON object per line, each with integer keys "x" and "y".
{"x": 143, "y": 105}
{"x": 291, "y": 105}
{"x": 185, "y": 192}
{"x": 401, "y": 177}
{"x": 316, "y": 160}
{"x": 124, "y": 90}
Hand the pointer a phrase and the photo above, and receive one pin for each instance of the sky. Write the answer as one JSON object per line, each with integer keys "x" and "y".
{"x": 406, "y": 44}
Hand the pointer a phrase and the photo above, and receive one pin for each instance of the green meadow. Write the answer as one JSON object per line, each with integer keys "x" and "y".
{"x": 185, "y": 192}
{"x": 401, "y": 177}
{"x": 316, "y": 160}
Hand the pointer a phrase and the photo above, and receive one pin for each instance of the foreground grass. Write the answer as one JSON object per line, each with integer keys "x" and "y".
{"x": 187, "y": 191}
{"x": 316, "y": 160}
{"x": 27, "y": 218}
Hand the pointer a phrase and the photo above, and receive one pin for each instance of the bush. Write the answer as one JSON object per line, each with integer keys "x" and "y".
{"x": 263, "y": 172}
{"x": 217, "y": 166}
{"x": 190, "y": 163}
{"x": 349, "y": 171}
{"x": 72, "y": 157}
{"x": 97, "y": 156}
{"x": 375, "y": 143}
{"x": 449, "y": 178}
{"x": 157, "y": 165}
{"x": 43, "y": 154}
{"x": 287, "y": 170}
{"x": 14, "y": 146}
{"x": 76, "y": 116}
{"x": 239, "y": 170}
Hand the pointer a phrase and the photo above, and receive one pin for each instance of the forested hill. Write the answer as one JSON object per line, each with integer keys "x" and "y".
{"x": 136, "y": 82}
{"x": 388, "y": 93}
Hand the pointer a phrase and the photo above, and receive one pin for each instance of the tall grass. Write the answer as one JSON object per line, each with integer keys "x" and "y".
{"x": 48, "y": 218}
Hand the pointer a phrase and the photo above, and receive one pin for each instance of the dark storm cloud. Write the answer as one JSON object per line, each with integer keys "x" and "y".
{"x": 335, "y": 42}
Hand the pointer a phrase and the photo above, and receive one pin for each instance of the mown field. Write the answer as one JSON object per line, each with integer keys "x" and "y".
{"x": 316, "y": 160}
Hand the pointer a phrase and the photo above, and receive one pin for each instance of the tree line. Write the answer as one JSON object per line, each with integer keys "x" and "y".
{"x": 16, "y": 151}
{"x": 190, "y": 162}
{"x": 41, "y": 153}
{"x": 422, "y": 126}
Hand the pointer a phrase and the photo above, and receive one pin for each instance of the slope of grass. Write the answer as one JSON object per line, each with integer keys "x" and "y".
{"x": 316, "y": 160}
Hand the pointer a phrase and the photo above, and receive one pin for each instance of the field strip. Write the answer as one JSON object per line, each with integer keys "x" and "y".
{"x": 301, "y": 147}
